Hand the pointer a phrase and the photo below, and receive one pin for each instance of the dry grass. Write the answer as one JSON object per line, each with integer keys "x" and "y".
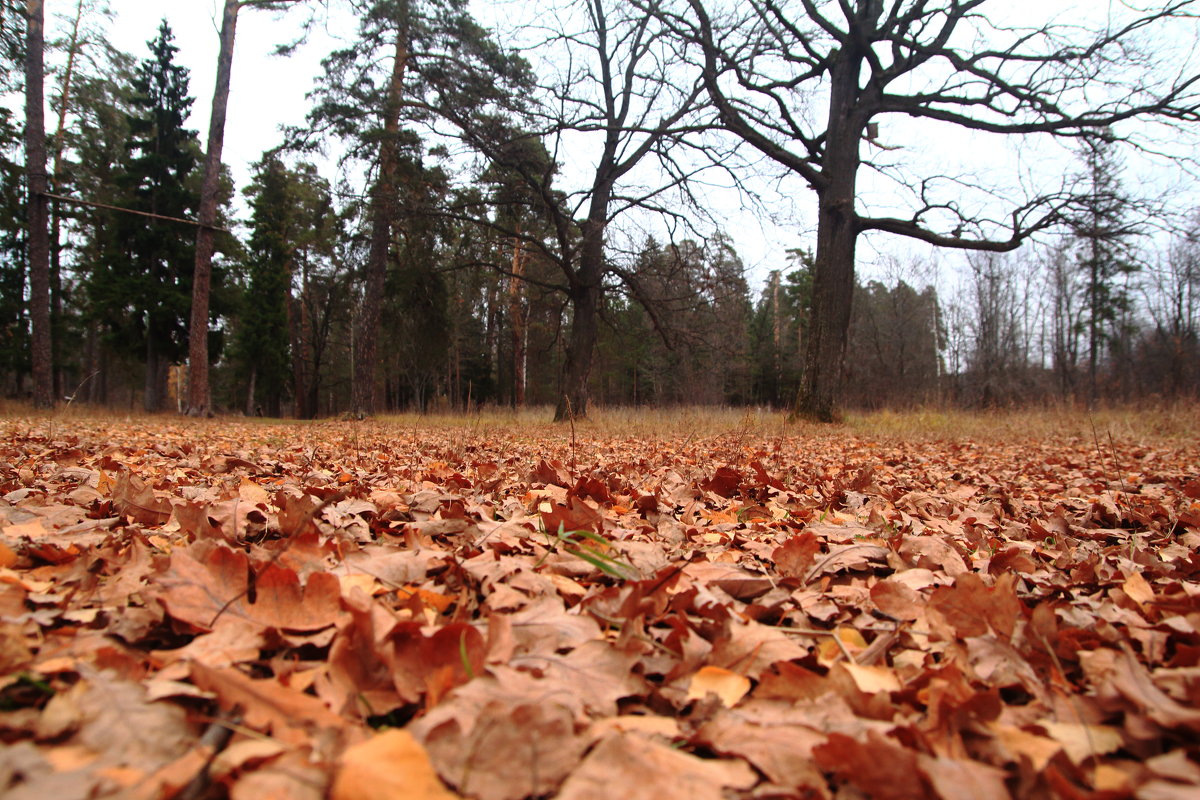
{"x": 1176, "y": 423}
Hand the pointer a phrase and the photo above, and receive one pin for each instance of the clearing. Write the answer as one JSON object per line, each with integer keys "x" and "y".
{"x": 696, "y": 604}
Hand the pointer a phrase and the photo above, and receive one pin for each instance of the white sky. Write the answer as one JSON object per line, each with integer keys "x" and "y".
{"x": 268, "y": 92}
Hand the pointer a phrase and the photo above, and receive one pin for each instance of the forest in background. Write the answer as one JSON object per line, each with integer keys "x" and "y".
{"x": 472, "y": 306}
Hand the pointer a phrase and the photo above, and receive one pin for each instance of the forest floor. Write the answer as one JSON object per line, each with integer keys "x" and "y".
{"x": 651, "y": 605}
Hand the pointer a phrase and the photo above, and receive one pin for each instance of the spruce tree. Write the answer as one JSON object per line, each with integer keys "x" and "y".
{"x": 14, "y": 321}
{"x": 261, "y": 342}
{"x": 141, "y": 285}
{"x": 1103, "y": 227}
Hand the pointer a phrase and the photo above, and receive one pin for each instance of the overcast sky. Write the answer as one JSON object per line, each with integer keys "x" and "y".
{"x": 266, "y": 91}
{"x": 269, "y": 91}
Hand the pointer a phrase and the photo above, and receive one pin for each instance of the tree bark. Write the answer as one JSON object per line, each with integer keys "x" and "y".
{"x": 38, "y": 210}
{"x": 837, "y": 233}
{"x": 198, "y": 390}
{"x": 151, "y": 393}
{"x": 383, "y": 214}
{"x": 516, "y": 316}
{"x": 297, "y": 338}
{"x": 585, "y": 311}
{"x": 73, "y": 49}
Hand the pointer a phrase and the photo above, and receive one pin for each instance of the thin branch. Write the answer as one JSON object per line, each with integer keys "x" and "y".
{"x": 105, "y": 206}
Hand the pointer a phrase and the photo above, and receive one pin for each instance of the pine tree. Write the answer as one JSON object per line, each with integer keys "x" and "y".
{"x": 1102, "y": 227}
{"x": 14, "y": 321}
{"x": 141, "y": 284}
{"x": 261, "y": 342}
{"x": 408, "y": 56}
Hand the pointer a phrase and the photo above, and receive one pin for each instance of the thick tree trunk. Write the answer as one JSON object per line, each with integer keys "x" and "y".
{"x": 585, "y": 312}
{"x": 39, "y": 230}
{"x": 573, "y": 402}
{"x": 833, "y": 294}
{"x": 837, "y": 232}
{"x": 198, "y": 389}
{"x": 383, "y": 214}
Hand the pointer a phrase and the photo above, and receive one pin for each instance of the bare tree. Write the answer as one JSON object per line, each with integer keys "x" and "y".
{"x": 39, "y": 219}
{"x": 764, "y": 61}
{"x": 1170, "y": 351}
{"x": 619, "y": 109}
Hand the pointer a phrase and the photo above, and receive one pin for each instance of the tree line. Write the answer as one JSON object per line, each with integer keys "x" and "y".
{"x": 527, "y": 222}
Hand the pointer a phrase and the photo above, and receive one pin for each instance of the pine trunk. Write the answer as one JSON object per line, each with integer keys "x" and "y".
{"x": 297, "y": 326}
{"x": 198, "y": 389}
{"x": 39, "y": 229}
{"x": 383, "y": 213}
{"x": 516, "y": 316}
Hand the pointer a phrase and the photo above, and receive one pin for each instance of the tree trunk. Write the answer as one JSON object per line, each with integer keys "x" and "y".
{"x": 1094, "y": 311}
{"x": 150, "y": 392}
{"x": 516, "y": 316}
{"x": 39, "y": 231}
{"x": 573, "y": 401}
{"x": 297, "y": 327}
{"x": 64, "y": 101}
{"x": 837, "y": 232}
{"x": 251, "y": 390}
{"x": 585, "y": 311}
{"x": 198, "y": 389}
{"x": 383, "y": 214}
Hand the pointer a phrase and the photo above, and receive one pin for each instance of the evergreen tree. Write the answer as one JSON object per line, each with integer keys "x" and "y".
{"x": 261, "y": 342}
{"x": 87, "y": 74}
{"x": 14, "y": 322}
{"x": 779, "y": 331}
{"x": 12, "y": 43}
{"x": 1104, "y": 257}
{"x": 141, "y": 283}
{"x": 409, "y": 55}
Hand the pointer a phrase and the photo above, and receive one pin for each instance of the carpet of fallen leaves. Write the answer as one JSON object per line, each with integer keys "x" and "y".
{"x": 364, "y": 610}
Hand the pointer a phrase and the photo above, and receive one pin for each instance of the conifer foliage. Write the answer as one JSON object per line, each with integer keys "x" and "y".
{"x": 141, "y": 287}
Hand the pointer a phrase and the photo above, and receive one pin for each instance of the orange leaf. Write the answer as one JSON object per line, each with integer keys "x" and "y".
{"x": 390, "y": 765}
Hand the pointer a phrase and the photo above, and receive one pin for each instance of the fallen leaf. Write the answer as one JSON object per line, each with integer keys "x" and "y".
{"x": 389, "y": 765}
{"x": 730, "y": 687}
{"x": 632, "y": 767}
{"x": 1081, "y": 742}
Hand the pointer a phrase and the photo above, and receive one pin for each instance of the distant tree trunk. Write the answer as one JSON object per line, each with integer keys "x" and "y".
{"x": 777, "y": 338}
{"x": 198, "y": 389}
{"x": 297, "y": 325}
{"x": 251, "y": 387}
{"x": 151, "y": 391}
{"x": 55, "y": 207}
{"x": 383, "y": 214}
{"x": 516, "y": 316}
{"x": 1094, "y": 312}
{"x": 38, "y": 211}
{"x": 837, "y": 233}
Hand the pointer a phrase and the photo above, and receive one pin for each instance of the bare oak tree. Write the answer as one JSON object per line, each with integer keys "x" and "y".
{"x": 619, "y": 120}
{"x": 765, "y": 62}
